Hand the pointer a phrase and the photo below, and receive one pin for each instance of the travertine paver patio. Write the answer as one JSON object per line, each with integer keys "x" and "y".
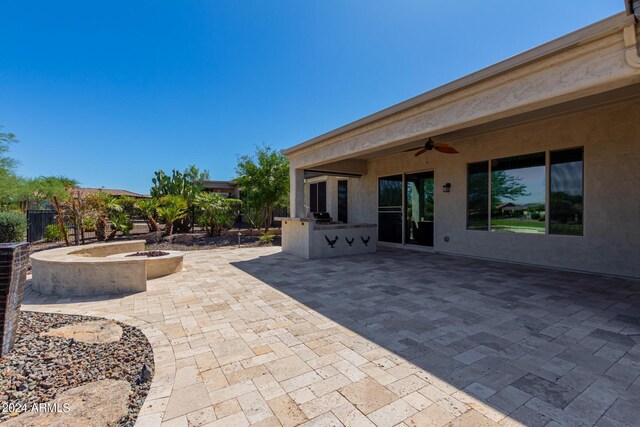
{"x": 252, "y": 336}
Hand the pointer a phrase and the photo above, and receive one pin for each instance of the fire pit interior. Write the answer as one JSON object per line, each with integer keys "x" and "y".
{"x": 149, "y": 254}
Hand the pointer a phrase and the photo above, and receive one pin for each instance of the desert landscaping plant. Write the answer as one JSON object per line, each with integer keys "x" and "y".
{"x": 264, "y": 179}
{"x": 172, "y": 208}
{"x": 217, "y": 212}
{"x": 187, "y": 184}
{"x": 103, "y": 205}
{"x": 13, "y": 226}
{"x": 53, "y": 233}
{"x": 148, "y": 208}
{"x": 120, "y": 222}
{"x": 267, "y": 238}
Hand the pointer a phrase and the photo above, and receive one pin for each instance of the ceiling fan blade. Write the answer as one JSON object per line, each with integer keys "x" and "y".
{"x": 446, "y": 149}
{"x": 422, "y": 150}
{"x": 412, "y": 149}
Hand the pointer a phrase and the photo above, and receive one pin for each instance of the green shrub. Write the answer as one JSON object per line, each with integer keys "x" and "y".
{"x": 13, "y": 227}
{"x": 267, "y": 238}
{"x": 89, "y": 224}
{"x": 53, "y": 233}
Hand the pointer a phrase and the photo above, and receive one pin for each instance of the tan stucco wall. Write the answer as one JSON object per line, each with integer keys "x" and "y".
{"x": 611, "y": 242}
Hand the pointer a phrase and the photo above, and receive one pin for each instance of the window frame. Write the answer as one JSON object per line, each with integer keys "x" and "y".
{"x": 547, "y": 207}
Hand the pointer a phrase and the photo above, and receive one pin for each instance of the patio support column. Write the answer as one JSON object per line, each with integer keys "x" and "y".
{"x": 296, "y": 192}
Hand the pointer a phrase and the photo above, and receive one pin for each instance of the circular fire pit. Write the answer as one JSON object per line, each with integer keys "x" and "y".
{"x": 100, "y": 269}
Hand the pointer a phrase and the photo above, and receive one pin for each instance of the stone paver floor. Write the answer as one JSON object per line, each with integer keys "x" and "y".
{"x": 399, "y": 338}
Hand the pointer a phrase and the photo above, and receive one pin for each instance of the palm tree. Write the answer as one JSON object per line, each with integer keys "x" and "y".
{"x": 104, "y": 205}
{"x": 120, "y": 222}
{"x": 149, "y": 208}
{"x": 172, "y": 208}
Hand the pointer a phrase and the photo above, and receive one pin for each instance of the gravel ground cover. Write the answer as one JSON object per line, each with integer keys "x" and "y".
{"x": 40, "y": 367}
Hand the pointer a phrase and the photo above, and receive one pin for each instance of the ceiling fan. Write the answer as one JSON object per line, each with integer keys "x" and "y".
{"x": 430, "y": 145}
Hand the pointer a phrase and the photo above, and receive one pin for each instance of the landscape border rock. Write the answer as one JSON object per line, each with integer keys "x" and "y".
{"x": 96, "y": 404}
{"x": 40, "y": 367}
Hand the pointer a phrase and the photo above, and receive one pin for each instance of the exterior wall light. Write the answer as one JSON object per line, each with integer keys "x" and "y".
{"x": 446, "y": 188}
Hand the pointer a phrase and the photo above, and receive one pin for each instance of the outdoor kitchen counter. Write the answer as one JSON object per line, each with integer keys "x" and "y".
{"x": 309, "y": 239}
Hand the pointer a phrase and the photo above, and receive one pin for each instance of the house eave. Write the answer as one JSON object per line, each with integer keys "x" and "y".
{"x": 582, "y": 36}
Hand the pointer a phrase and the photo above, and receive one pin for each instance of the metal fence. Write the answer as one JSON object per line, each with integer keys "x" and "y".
{"x": 37, "y": 221}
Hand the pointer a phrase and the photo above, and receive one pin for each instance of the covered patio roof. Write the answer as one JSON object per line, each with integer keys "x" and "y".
{"x": 596, "y": 65}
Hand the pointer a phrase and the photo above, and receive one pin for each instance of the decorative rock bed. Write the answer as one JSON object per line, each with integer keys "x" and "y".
{"x": 99, "y": 269}
{"x": 44, "y": 368}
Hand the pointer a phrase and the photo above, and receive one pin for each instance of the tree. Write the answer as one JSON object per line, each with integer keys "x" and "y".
{"x": 20, "y": 193}
{"x": 44, "y": 188}
{"x": 264, "y": 181}
{"x": 172, "y": 208}
{"x": 9, "y": 182}
{"x": 505, "y": 186}
{"x": 187, "y": 184}
{"x": 103, "y": 205}
{"x": 218, "y": 212}
{"x": 7, "y": 164}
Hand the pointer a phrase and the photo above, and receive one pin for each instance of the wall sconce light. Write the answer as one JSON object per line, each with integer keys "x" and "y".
{"x": 446, "y": 188}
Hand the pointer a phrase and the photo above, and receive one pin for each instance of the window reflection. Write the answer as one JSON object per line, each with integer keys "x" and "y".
{"x": 478, "y": 196}
{"x": 566, "y": 192}
{"x": 518, "y": 194}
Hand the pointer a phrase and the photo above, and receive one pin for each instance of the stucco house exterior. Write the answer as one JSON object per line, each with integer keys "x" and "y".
{"x": 555, "y": 129}
{"x": 225, "y": 188}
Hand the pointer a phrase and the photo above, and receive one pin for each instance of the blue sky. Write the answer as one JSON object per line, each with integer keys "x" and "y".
{"x": 108, "y": 92}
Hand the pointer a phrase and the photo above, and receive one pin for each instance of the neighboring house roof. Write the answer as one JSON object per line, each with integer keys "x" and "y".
{"x": 113, "y": 191}
{"x": 515, "y": 208}
{"x": 504, "y": 205}
{"x": 220, "y": 185}
{"x": 576, "y": 38}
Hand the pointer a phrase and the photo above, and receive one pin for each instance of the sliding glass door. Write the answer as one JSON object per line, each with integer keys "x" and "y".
{"x": 419, "y": 209}
{"x": 405, "y": 209}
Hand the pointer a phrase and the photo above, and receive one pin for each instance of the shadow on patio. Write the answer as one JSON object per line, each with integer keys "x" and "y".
{"x": 536, "y": 344}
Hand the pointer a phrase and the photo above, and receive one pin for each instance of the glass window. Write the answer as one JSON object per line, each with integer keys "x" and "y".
{"x": 318, "y": 197}
{"x": 342, "y": 201}
{"x": 313, "y": 197}
{"x": 322, "y": 196}
{"x": 518, "y": 194}
{"x": 566, "y": 192}
{"x": 478, "y": 196}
